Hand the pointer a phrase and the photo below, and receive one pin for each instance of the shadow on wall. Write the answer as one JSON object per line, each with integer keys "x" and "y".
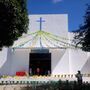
{"x": 57, "y": 56}
{"x": 5, "y": 68}
{"x": 86, "y": 67}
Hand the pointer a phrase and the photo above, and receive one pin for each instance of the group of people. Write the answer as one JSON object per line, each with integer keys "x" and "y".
{"x": 39, "y": 71}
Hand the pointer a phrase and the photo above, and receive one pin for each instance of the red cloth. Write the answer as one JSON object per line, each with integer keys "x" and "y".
{"x": 20, "y": 73}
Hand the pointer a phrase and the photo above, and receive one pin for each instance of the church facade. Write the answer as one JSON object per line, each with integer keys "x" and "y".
{"x": 47, "y": 48}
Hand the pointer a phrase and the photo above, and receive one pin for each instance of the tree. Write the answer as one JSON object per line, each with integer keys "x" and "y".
{"x": 82, "y": 35}
{"x": 13, "y": 21}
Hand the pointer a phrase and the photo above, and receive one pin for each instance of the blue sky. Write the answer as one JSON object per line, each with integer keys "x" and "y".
{"x": 74, "y": 8}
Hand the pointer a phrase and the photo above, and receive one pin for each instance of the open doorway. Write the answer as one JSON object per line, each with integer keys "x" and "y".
{"x": 40, "y": 63}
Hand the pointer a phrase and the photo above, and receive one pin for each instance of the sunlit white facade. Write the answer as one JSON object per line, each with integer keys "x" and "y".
{"x": 54, "y": 35}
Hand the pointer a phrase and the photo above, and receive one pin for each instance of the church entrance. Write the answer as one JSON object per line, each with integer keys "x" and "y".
{"x": 40, "y": 63}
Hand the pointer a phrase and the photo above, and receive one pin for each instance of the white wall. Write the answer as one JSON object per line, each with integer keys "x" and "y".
{"x": 60, "y": 61}
{"x": 63, "y": 61}
{"x": 4, "y": 62}
{"x": 20, "y": 60}
{"x": 79, "y": 60}
{"x": 3, "y": 56}
{"x": 86, "y": 66}
{"x": 56, "y": 24}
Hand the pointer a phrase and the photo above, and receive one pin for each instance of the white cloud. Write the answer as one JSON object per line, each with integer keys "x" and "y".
{"x": 56, "y": 1}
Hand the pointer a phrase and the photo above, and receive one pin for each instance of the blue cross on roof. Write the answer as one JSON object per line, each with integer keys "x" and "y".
{"x": 40, "y": 20}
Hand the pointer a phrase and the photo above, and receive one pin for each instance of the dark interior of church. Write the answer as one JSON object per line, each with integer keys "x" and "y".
{"x": 40, "y": 64}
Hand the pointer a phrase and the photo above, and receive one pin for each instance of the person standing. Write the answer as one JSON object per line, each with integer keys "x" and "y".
{"x": 38, "y": 71}
{"x": 79, "y": 78}
{"x": 30, "y": 72}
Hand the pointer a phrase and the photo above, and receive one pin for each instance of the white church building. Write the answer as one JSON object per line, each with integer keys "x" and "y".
{"x": 47, "y": 46}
